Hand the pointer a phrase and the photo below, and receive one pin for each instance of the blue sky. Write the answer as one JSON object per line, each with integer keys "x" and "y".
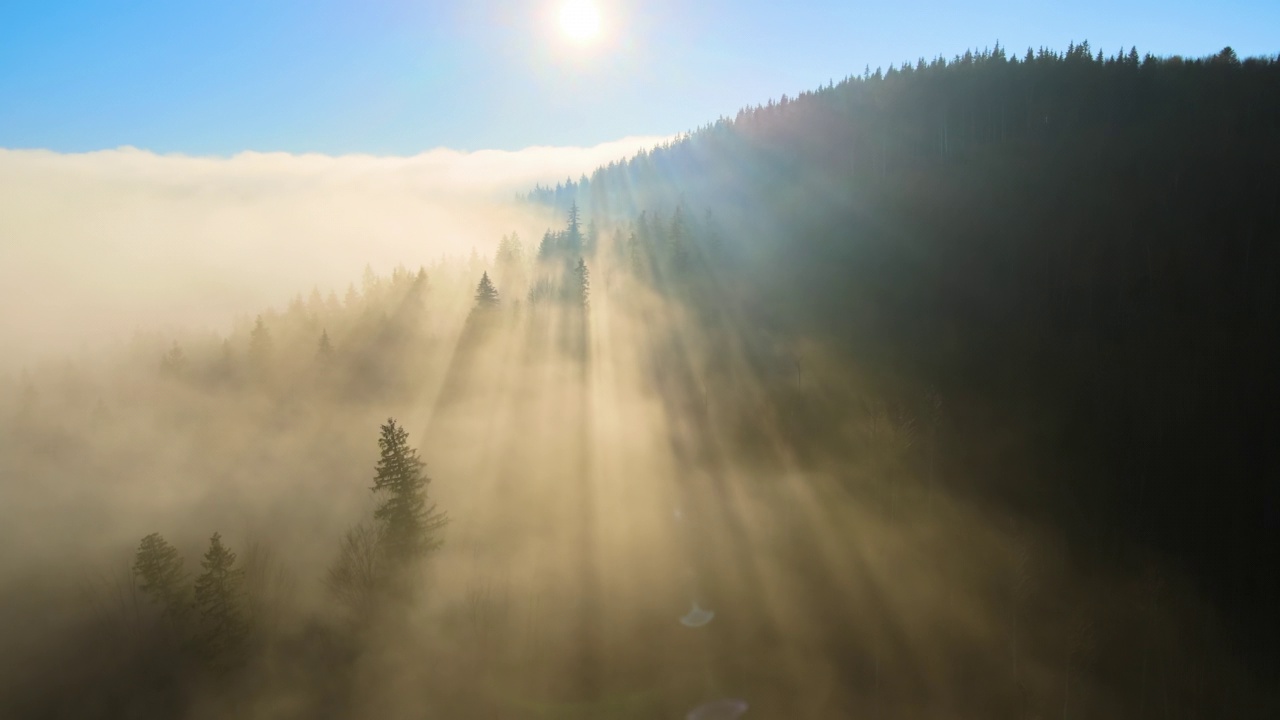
{"x": 401, "y": 76}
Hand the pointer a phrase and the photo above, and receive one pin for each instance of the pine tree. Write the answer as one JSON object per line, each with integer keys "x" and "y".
{"x": 159, "y": 567}
{"x": 219, "y": 597}
{"x": 408, "y": 526}
{"x": 486, "y": 294}
{"x": 547, "y": 248}
{"x": 573, "y": 240}
{"x": 581, "y": 287}
{"x": 259, "y": 345}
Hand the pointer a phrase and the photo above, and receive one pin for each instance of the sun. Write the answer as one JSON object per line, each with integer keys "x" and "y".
{"x": 580, "y": 20}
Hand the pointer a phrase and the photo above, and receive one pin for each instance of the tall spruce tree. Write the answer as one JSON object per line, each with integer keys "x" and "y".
{"x": 409, "y": 527}
{"x": 580, "y": 288}
{"x": 574, "y": 242}
{"x": 219, "y": 600}
{"x": 486, "y": 294}
{"x": 547, "y": 248}
{"x": 158, "y": 566}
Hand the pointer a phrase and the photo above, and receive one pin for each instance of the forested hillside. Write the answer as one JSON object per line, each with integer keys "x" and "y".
{"x": 941, "y": 392}
{"x": 1078, "y": 250}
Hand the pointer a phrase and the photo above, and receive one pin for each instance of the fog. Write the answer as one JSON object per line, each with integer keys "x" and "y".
{"x": 95, "y": 246}
{"x": 654, "y": 502}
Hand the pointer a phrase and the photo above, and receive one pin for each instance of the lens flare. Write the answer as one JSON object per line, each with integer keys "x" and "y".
{"x": 697, "y": 617}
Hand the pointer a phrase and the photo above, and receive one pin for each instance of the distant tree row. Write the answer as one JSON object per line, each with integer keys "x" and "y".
{"x": 863, "y": 127}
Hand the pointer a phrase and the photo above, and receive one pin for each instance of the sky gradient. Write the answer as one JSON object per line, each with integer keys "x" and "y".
{"x": 394, "y": 77}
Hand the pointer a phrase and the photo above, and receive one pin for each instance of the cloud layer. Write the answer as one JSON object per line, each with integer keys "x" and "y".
{"x": 96, "y": 245}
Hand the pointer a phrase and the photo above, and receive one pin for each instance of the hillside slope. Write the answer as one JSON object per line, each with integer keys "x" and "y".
{"x": 1079, "y": 252}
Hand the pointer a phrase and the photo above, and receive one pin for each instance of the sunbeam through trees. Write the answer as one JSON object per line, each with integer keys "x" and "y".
{"x": 938, "y": 392}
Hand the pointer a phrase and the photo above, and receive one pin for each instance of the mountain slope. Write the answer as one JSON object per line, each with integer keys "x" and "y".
{"x": 1077, "y": 251}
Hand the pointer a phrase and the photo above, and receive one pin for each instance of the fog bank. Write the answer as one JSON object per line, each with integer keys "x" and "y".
{"x": 94, "y": 246}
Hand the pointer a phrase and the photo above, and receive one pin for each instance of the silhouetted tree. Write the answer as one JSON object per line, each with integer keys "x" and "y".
{"x": 219, "y": 602}
{"x": 580, "y": 284}
{"x": 158, "y": 566}
{"x": 409, "y": 528}
{"x": 573, "y": 240}
{"x": 486, "y": 294}
{"x": 547, "y": 249}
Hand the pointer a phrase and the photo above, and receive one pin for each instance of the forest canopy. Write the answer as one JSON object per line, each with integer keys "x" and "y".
{"x": 1079, "y": 248}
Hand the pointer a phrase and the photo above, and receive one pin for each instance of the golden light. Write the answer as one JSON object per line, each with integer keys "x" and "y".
{"x": 580, "y": 20}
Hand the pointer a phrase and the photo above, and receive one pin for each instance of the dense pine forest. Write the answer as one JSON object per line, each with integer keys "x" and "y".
{"x": 1078, "y": 250}
{"x": 944, "y": 391}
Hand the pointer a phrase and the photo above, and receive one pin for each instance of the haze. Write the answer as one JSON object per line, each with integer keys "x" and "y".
{"x": 101, "y": 245}
{"x": 771, "y": 362}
